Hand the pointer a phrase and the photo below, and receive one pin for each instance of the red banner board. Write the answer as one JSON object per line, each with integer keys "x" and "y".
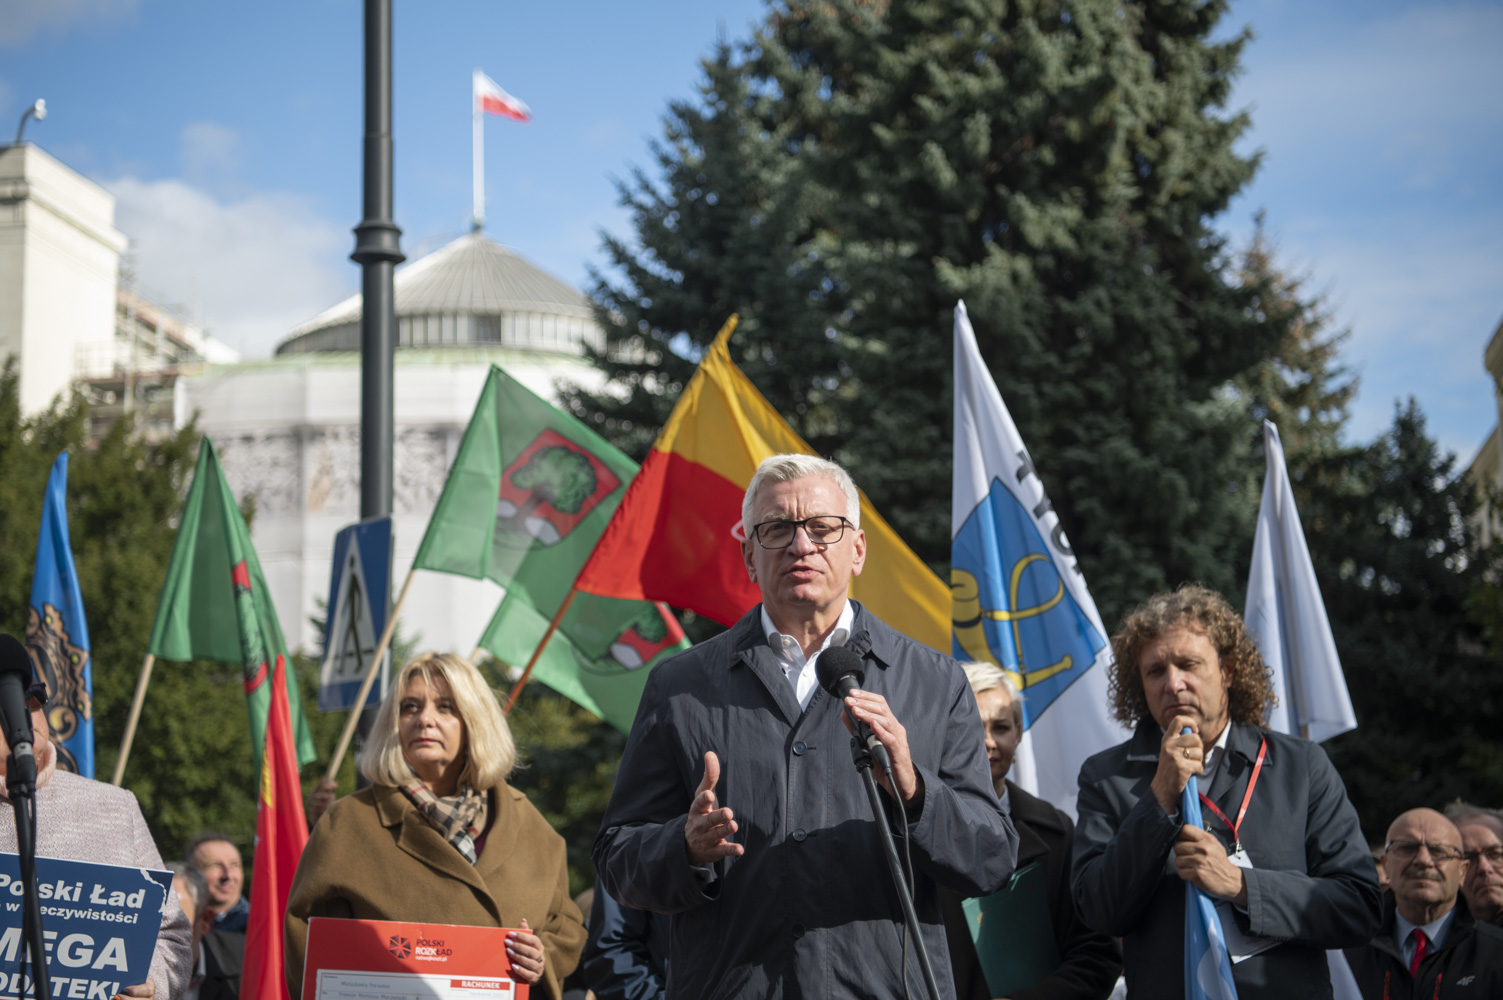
{"x": 397, "y": 960}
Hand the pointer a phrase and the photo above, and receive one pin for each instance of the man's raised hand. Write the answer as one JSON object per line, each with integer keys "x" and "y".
{"x": 1180, "y": 755}
{"x": 708, "y": 830}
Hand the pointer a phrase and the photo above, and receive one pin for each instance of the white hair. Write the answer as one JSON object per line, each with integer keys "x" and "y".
{"x": 986, "y": 676}
{"x": 787, "y": 468}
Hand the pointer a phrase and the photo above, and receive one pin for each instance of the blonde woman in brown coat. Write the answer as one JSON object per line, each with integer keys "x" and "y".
{"x": 440, "y": 837}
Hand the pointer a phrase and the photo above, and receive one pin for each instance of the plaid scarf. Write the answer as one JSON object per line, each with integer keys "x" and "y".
{"x": 459, "y": 817}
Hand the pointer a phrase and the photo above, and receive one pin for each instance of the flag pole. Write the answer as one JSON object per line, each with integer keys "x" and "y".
{"x": 477, "y": 157}
{"x": 133, "y": 718}
{"x": 516, "y": 689}
{"x": 370, "y": 680}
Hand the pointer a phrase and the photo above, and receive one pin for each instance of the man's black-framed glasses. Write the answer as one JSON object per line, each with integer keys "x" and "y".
{"x": 1408, "y": 850}
{"x": 822, "y": 529}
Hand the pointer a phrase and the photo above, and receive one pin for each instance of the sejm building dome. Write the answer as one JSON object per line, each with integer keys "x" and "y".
{"x": 470, "y": 293}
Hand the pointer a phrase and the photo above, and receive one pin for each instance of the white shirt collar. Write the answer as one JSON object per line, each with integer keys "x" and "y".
{"x": 799, "y": 671}
{"x": 788, "y": 647}
{"x": 1213, "y": 758}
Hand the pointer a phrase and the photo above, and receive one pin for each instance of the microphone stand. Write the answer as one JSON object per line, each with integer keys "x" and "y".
{"x": 863, "y": 760}
{"x": 21, "y": 786}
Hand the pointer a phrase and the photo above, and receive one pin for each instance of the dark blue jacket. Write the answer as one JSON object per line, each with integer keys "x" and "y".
{"x": 810, "y": 909}
{"x": 626, "y": 956}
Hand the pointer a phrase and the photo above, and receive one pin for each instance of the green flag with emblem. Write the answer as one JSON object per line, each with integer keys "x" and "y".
{"x": 529, "y": 494}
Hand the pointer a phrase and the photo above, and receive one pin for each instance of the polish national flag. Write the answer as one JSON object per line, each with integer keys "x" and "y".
{"x": 492, "y": 100}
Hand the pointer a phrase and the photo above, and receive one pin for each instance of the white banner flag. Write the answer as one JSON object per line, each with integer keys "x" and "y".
{"x": 1020, "y": 600}
{"x": 1287, "y": 617}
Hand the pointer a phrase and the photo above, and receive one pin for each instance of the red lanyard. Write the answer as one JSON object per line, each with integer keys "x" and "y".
{"x": 1246, "y": 798}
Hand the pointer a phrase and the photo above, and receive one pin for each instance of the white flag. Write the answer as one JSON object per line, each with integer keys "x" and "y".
{"x": 1287, "y": 618}
{"x": 1019, "y": 598}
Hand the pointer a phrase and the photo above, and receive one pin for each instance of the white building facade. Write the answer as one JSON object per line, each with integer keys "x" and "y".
{"x": 59, "y": 267}
{"x": 288, "y": 428}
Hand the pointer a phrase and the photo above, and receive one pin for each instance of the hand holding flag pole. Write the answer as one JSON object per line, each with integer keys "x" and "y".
{"x": 1208, "y": 966}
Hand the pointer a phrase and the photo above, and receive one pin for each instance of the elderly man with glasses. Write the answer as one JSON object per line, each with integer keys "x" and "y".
{"x": 737, "y": 808}
{"x": 1482, "y": 840}
{"x": 1428, "y": 945}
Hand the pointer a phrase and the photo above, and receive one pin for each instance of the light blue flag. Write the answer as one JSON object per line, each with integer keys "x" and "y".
{"x": 1208, "y": 965}
{"x": 1018, "y": 597}
{"x": 57, "y": 637}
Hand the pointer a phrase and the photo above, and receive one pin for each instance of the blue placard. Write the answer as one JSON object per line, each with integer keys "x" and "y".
{"x": 359, "y": 595}
{"x": 100, "y": 922}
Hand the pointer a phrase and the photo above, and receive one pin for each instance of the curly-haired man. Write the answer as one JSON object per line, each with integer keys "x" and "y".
{"x": 1282, "y": 851}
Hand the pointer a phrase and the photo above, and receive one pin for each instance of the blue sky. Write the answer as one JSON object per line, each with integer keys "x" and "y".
{"x": 230, "y": 135}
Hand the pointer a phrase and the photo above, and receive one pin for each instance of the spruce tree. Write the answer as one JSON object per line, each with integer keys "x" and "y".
{"x": 1060, "y": 167}
{"x": 726, "y": 229}
{"x": 1302, "y": 387}
{"x": 1391, "y": 533}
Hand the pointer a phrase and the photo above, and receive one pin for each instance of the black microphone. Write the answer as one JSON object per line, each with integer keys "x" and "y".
{"x": 15, "y": 717}
{"x": 840, "y": 671}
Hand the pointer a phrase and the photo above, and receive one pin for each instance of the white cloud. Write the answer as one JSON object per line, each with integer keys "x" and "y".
{"x": 209, "y": 153}
{"x": 25, "y": 18}
{"x": 249, "y": 269}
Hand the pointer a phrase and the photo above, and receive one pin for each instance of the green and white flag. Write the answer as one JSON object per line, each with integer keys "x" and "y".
{"x": 215, "y": 604}
{"x": 528, "y": 496}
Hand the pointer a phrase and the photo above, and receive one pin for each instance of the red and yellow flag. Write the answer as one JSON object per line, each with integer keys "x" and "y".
{"x": 281, "y": 835}
{"x": 677, "y": 534}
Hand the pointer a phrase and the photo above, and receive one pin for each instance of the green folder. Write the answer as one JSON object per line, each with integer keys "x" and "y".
{"x": 1014, "y": 933}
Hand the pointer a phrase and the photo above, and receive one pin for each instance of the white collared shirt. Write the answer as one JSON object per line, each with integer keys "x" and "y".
{"x": 1213, "y": 759}
{"x": 1435, "y": 930}
{"x": 799, "y": 671}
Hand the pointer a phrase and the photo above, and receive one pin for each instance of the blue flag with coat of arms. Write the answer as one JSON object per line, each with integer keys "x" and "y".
{"x": 1019, "y": 599}
{"x": 57, "y": 637}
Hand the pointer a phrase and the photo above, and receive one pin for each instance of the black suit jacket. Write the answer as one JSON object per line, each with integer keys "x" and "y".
{"x": 224, "y": 952}
{"x": 1467, "y": 964}
{"x": 1089, "y": 962}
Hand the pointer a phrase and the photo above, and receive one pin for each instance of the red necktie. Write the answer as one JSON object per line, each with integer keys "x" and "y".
{"x": 1420, "y": 942}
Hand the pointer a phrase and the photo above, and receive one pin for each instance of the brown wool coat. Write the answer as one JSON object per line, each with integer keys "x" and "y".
{"x": 374, "y": 857}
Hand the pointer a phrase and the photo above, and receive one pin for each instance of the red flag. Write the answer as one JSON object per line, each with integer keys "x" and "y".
{"x": 281, "y": 834}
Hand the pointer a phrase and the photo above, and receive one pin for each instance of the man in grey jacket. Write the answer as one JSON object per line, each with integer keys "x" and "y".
{"x": 1282, "y": 852}
{"x": 784, "y": 891}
